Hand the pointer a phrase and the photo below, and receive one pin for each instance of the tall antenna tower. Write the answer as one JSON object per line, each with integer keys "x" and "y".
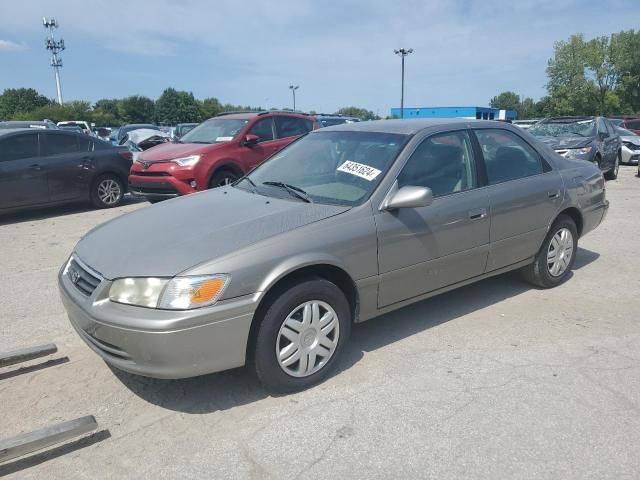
{"x": 55, "y": 46}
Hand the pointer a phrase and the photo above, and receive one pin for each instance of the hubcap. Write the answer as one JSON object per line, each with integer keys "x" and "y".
{"x": 226, "y": 181}
{"x": 560, "y": 252}
{"x": 109, "y": 191}
{"x": 307, "y": 338}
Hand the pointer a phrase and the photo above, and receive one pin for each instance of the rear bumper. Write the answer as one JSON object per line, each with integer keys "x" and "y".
{"x": 160, "y": 343}
{"x": 594, "y": 216}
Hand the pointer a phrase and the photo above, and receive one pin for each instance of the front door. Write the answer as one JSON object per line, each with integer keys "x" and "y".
{"x": 23, "y": 177}
{"x": 267, "y": 144}
{"x": 423, "y": 249}
{"x": 524, "y": 193}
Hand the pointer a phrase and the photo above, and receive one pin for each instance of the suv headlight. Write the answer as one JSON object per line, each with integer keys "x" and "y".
{"x": 579, "y": 151}
{"x": 189, "y": 161}
{"x": 179, "y": 293}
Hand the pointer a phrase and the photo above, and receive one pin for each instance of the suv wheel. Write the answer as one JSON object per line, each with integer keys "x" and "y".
{"x": 107, "y": 191}
{"x": 553, "y": 263}
{"x": 301, "y": 336}
{"x": 222, "y": 178}
{"x": 613, "y": 173}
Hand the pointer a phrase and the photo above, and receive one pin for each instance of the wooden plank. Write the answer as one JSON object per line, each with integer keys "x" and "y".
{"x": 33, "y": 441}
{"x": 25, "y": 354}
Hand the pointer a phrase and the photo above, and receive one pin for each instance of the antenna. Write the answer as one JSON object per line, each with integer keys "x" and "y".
{"x": 55, "y": 46}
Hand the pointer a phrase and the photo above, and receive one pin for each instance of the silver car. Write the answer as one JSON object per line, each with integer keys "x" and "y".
{"x": 344, "y": 224}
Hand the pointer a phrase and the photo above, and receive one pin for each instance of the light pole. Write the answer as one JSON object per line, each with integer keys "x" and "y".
{"x": 55, "y": 47}
{"x": 403, "y": 52}
{"x": 293, "y": 89}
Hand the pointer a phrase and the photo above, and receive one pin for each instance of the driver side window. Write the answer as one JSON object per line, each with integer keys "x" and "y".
{"x": 263, "y": 129}
{"x": 444, "y": 163}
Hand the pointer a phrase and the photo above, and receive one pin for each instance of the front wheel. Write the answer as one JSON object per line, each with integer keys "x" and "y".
{"x": 222, "y": 178}
{"x": 553, "y": 262}
{"x": 301, "y": 335}
{"x": 613, "y": 173}
{"x": 107, "y": 191}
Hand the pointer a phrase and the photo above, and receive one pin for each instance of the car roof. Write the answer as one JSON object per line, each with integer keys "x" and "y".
{"x": 407, "y": 127}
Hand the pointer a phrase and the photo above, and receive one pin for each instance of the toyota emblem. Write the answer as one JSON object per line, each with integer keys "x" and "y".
{"x": 74, "y": 275}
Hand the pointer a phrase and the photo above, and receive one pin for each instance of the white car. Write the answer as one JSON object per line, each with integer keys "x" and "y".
{"x": 630, "y": 150}
{"x": 86, "y": 128}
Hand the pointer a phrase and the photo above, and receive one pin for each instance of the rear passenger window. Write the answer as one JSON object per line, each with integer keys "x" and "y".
{"x": 263, "y": 129}
{"x": 292, "y": 126}
{"x": 19, "y": 146}
{"x": 85, "y": 144}
{"x": 57, "y": 144}
{"x": 507, "y": 156}
{"x": 444, "y": 163}
{"x": 633, "y": 124}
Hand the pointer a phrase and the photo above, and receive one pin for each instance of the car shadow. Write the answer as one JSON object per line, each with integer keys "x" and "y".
{"x": 42, "y": 213}
{"x": 225, "y": 390}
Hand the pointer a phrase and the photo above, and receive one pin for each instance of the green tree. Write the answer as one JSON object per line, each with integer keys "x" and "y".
{"x": 506, "y": 101}
{"x": 16, "y": 100}
{"x": 361, "y": 113}
{"x": 626, "y": 45}
{"x": 175, "y": 107}
{"x": 74, "y": 110}
{"x": 210, "y": 107}
{"x": 136, "y": 109}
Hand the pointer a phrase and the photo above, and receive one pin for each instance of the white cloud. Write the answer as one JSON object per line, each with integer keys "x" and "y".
{"x": 9, "y": 46}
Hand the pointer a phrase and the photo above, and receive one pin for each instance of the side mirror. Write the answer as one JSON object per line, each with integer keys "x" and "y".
{"x": 249, "y": 140}
{"x": 409, "y": 197}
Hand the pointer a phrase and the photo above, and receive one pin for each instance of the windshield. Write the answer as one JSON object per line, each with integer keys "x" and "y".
{"x": 215, "y": 131}
{"x": 579, "y": 128}
{"x": 340, "y": 168}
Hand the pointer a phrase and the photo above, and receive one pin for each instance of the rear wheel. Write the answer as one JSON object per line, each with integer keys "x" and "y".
{"x": 553, "y": 263}
{"x": 107, "y": 191}
{"x": 613, "y": 173}
{"x": 222, "y": 178}
{"x": 301, "y": 335}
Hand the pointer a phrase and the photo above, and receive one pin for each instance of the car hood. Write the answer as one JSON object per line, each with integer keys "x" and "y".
{"x": 168, "y": 238}
{"x": 631, "y": 139}
{"x": 566, "y": 142}
{"x": 168, "y": 151}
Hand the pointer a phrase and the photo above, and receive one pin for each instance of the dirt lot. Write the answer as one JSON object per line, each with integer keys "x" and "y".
{"x": 495, "y": 380}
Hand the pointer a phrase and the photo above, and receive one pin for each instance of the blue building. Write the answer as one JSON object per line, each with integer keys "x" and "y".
{"x": 478, "y": 113}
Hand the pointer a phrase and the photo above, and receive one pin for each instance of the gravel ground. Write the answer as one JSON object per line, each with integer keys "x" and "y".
{"x": 494, "y": 380}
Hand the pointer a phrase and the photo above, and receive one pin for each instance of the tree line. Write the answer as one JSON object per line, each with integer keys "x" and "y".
{"x": 600, "y": 76}
{"x": 172, "y": 107}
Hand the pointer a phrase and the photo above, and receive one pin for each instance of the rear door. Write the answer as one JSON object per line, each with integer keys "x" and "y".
{"x": 524, "y": 195}
{"x": 23, "y": 177}
{"x": 67, "y": 157}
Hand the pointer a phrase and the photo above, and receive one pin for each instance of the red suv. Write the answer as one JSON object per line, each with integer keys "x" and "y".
{"x": 216, "y": 152}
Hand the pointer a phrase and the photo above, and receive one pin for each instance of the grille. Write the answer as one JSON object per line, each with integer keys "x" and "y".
{"x": 84, "y": 280}
{"x": 151, "y": 174}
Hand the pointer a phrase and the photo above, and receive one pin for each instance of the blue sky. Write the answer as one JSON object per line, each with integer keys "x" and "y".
{"x": 339, "y": 52}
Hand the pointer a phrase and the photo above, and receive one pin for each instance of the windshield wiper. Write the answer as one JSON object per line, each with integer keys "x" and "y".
{"x": 254, "y": 187}
{"x": 292, "y": 189}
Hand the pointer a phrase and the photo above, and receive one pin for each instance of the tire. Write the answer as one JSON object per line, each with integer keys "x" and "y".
{"x": 273, "y": 335}
{"x": 223, "y": 177}
{"x": 613, "y": 173}
{"x": 107, "y": 191}
{"x": 540, "y": 273}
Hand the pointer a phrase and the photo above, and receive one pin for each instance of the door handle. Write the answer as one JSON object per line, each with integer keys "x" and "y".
{"x": 554, "y": 194}
{"x": 35, "y": 167}
{"x": 477, "y": 214}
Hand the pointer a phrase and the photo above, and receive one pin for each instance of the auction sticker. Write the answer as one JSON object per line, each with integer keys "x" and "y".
{"x": 224, "y": 139}
{"x": 359, "y": 170}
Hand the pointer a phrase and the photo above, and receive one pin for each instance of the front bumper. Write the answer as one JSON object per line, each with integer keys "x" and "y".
{"x": 160, "y": 343}
{"x": 629, "y": 156}
{"x": 158, "y": 187}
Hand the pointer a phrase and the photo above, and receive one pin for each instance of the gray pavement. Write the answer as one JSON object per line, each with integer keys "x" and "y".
{"x": 494, "y": 380}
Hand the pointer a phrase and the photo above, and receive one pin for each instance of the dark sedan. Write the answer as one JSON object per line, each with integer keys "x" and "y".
{"x": 587, "y": 138}
{"x": 41, "y": 167}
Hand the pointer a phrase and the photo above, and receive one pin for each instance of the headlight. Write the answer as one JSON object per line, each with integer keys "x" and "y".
{"x": 180, "y": 293}
{"x": 187, "y": 161}
{"x": 631, "y": 146}
{"x": 579, "y": 151}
